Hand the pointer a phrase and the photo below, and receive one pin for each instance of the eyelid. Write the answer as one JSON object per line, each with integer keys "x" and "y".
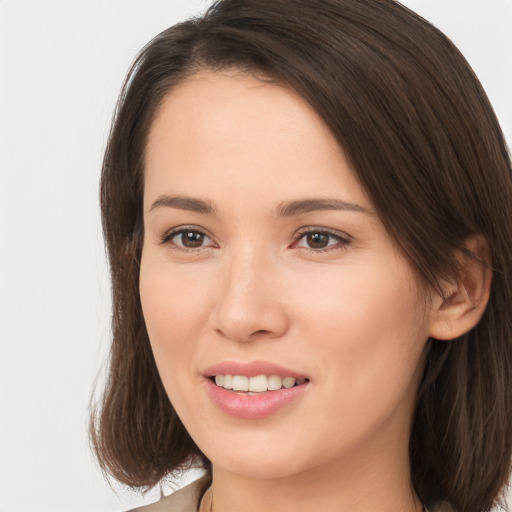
{"x": 343, "y": 238}
{"x": 171, "y": 233}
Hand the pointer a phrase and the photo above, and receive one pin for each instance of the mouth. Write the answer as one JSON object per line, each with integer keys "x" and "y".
{"x": 255, "y": 389}
{"x": 255, "y": 385}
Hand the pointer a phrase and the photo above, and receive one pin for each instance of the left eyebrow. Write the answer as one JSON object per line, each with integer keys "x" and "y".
{"x": 292, "y": 208}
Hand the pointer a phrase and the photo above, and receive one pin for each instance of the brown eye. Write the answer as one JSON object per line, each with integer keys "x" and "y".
{"x": 192, "y": 239}
{"x": 322, "y": 240}
{"x": 317, "y": 240}
{"x": 188, "y": 239}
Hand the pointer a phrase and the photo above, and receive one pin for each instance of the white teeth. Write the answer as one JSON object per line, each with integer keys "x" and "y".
{"x": 228, "y": 382}
{"x": 257, "y": 384}
{"x": 274, "y": 382}
{"x": 288, "y": 382}
{"x": 240, "y": 383}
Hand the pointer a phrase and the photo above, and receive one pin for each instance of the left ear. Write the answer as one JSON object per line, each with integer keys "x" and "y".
{"x": 466, "y": 298}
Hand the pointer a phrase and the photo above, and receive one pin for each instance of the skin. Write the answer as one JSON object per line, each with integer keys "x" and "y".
{"x": 350, "y": 316}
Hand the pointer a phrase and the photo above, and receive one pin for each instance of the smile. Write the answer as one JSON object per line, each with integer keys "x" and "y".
{"x": 257, "y": 383}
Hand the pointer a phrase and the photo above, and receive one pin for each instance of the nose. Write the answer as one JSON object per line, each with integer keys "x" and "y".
{"x": 249, "y": 303}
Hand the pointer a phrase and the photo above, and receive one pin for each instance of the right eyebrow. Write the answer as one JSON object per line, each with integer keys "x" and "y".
{"x": 190, "y": 204}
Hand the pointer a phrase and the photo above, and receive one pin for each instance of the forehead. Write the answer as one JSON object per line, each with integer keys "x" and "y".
{"x": 220, "y": 103}
{"x": 234, "y": 131}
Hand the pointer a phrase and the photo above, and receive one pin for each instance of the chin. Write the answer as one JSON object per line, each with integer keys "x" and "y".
{"x": 263, "y": 469}
{"x": 261, "y": 456}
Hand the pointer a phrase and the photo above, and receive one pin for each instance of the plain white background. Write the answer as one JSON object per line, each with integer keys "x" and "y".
{"x": 61, "y": 66}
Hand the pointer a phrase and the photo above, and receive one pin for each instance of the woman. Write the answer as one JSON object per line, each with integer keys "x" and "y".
{"x": 307, "y": 208}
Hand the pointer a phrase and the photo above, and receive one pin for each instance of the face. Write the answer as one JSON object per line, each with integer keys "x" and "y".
{"x": 265, "y": 268}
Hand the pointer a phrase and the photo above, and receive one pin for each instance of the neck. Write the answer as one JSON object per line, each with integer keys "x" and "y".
{"x": 368, "y": 488}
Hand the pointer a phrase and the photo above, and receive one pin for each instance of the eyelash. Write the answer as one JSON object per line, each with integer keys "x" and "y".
{"x": 342, "y": 239}
{"x": 168, "y": 238}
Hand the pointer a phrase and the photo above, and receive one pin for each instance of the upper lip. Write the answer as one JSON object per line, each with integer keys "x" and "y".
{"x": 251, "y": 369}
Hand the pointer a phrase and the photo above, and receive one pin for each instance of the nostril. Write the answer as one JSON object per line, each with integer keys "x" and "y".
{"x": 251, "y": 336}
{"x": 261, "y": 331}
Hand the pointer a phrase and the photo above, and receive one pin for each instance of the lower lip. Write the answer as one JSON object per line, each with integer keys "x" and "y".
{"x": 252, "y": 407}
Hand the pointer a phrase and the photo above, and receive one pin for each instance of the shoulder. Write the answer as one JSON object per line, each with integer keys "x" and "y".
{"x": 442, "y": 507}
{"x": 183, "y": 500}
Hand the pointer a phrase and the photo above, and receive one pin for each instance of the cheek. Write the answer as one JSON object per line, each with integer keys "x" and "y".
{"x": 174, "y": 312}
{"x": 370, "y": 327}
{"x": 378, "y": 299}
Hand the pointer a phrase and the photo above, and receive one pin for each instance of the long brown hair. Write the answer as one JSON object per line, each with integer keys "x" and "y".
{"x": 420, "y": 134}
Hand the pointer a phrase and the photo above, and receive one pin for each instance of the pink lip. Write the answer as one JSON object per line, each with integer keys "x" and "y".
{"x": 255, "y": 406}
{"x": 251, "y": 369}
{"x": 252, "y": 407}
